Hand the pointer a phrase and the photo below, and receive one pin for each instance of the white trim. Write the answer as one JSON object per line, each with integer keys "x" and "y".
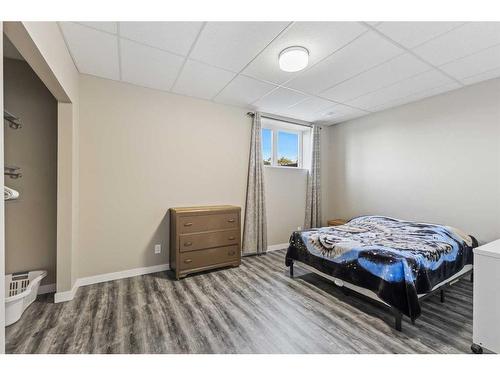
{"x": 66, "y": 296}
{"x": 275, "y": 129}
{"x": 279, "y": 246}
{"x": 285, "y": 167}
{"x": 48, "y": 288}
{"x": 289, "y": 120}
{"x": 89, "y": 280}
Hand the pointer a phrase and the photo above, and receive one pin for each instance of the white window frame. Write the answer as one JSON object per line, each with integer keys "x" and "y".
{"x": 275, "y": 129}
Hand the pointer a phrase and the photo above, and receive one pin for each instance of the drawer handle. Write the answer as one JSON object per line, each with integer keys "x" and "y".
{"x": 188, "y": 224}
{"x": 231, "y": 221}
{"x": 188, "y": 243}
{"x": 188, "y": 261}
{"x": 231, "y": 238}
{"x": 231, "y": 252}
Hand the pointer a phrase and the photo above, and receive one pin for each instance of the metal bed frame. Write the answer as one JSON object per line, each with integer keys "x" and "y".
{"x": 367, "y": 294}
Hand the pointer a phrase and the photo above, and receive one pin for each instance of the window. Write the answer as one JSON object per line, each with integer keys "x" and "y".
{"x": 267, "y": 146}
{"x": 282, "y": 144}
{"x": 288, "y": 149}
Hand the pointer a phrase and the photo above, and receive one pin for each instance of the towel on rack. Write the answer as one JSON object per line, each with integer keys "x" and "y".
{"x": 10, "y": 194}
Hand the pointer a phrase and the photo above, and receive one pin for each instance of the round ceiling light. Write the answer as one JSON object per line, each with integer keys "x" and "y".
{"x": 293, "y": 59}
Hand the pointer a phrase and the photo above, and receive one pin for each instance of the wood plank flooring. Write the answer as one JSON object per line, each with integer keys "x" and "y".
{"x": 255, "y": 308}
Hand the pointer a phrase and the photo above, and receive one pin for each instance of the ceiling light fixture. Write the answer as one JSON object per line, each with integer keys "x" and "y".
{"x": 293, "y": 59}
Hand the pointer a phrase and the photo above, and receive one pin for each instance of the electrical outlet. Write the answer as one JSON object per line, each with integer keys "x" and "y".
{"x": 157, "y": 248}
{"x": 299, "y": 228}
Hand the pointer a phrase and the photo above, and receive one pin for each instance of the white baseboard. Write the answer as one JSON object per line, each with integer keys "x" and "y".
{"x": 89, "y": 280}
{"x": 67, "y": 295}
{"x": 48, "y": 288}
{"x": 278, "y": 246}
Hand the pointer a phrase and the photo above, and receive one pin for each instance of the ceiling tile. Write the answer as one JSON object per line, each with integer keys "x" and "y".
{"x": 109, "y": 27}
{"x": 279, "y": 100}
{"x": 338, "y": 113}
{"x": 94, "y": 52}
{"x": 308, "y": 109}
{"x": 313, "y": 105}
{"x": 243, "y": 91}
{"x": 463, "y": 41}
{"x": 149, "y": 67}
{"x": 200, "y": 80}
{"x": 320, "y": 38}
{"x": 364, "y": 53}
{"x": 176, "y": 37}
{"x": 411, "y": 34}
{"x": 410, "y": 86}
{"x": 418, "y": 96}
{"x": 232, "y": 45}
{"x": 390, "y": 72}
{"x": 490, "y": 74}
{"x": 483, "y": 61}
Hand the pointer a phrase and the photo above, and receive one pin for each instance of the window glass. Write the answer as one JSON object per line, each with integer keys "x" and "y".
{"x": 288, "y": 149}
{"x": 267, "y": 144}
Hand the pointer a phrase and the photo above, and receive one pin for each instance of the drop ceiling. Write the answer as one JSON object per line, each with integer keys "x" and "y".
{"x": 355, "y": 68}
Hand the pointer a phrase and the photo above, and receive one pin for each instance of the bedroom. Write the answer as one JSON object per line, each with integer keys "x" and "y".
{"x": 250, "y": 186}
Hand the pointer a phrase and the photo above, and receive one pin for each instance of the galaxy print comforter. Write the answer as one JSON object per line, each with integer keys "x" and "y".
{"x": 396, "y": 259}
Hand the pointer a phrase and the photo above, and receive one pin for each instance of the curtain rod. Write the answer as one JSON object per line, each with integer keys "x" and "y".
{"x": 283, "y": 119}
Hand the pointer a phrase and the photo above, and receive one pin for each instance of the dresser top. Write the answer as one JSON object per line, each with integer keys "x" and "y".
{"x": 204, "y": 208}
{"x": 491, "y": 249}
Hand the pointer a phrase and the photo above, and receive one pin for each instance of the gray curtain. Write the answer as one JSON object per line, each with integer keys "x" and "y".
{"x": 313, "y": 195}
{"x": 255, "y": 225}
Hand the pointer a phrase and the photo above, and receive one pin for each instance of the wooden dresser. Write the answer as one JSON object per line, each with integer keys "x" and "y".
{"x": 203, "y": 238}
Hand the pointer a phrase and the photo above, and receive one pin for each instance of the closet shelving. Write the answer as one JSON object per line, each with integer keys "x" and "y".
{"x": 13, "y": 121}
{"x": 11, "y": 171}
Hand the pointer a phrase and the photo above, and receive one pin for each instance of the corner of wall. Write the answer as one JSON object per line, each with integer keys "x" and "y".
{"x": 2, "y": 216}
{"x": 325, "y": 181}
{"x": 44, "y": 49}
{"x": 75, "y": 192}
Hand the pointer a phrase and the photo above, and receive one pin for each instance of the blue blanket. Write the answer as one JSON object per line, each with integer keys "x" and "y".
{"x": 396, "y": 259}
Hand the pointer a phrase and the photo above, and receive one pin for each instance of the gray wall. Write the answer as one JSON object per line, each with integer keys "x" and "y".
{"x": 435, "y": 160}
{"x": 30, "y": 221}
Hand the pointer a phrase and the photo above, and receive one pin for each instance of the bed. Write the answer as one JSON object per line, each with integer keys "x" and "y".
{"x": 394, "y": 262}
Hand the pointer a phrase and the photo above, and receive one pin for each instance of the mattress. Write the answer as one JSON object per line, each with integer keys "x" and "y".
{"x": 397, "y": 260}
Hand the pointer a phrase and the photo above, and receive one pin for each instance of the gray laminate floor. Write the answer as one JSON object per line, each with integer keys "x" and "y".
{"x": 255, "y": 308}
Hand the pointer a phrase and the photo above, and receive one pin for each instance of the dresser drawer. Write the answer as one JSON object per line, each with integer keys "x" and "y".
{"x": 208, "y": 257}
{"x": 190, "y": 242}
{"x": 201, "y": 223}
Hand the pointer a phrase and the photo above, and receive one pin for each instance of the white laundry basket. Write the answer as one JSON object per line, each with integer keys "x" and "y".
{"x": 20, "y": 291}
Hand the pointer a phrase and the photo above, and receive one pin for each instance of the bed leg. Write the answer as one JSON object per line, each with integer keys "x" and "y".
{"x": 442, "y": 295}
{"x": 291, "y": 269}
{"x": 398, "y": 320}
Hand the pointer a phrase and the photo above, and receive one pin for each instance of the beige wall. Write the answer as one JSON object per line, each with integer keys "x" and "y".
{"x": 43, "y": 47}
{"x": 51, "y": 46}
{"x": 2, "y": 218}
{"x": 435, "y": 160}
{"x": 30, "y": 221}
{"x": 143, "y": 151}
{"x": 285, "y": 192}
